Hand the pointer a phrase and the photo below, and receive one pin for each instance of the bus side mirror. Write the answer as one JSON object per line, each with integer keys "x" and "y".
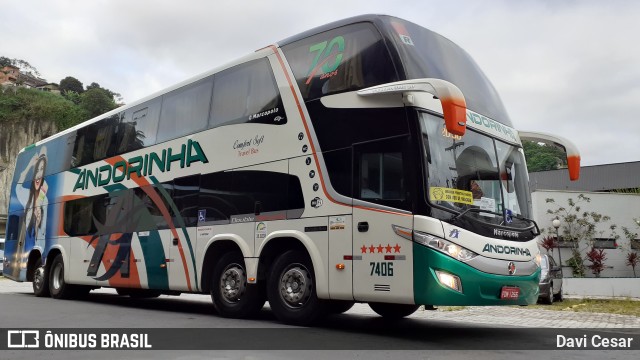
{"x": 568, "y": 147}
{"x": 454, "y": 107}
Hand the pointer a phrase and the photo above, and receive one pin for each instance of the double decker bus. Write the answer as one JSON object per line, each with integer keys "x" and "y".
{"x": 367, "y": 160}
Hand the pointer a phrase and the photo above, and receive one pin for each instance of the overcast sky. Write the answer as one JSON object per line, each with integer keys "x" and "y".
{"x": 566, "y": 67}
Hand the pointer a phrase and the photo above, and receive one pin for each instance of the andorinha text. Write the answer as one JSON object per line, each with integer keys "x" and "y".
{"x": 500, "y": 249}
{"x": 187, "y": 154}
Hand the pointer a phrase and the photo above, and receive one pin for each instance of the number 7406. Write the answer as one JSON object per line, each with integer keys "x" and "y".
{"x": 381, "y": 268}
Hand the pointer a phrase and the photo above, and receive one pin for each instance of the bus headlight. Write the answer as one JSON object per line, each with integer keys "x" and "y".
{"x": 454, "y": 250}
{"x": 449, "y": 280}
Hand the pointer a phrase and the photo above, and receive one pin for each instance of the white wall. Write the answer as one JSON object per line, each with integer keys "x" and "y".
{"x": 622, "y": 208}
{"x": 603, "y": 287}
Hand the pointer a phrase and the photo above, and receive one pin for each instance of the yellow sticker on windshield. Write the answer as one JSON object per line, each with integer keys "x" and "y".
{"x": 450, "y": 195}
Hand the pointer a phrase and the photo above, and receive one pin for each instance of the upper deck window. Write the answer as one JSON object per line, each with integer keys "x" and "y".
{"x": 247, "y": 93}
{"x": 185, "y": 110}
{"x": 425, "y": 54}
{"x": 343, "y": 59}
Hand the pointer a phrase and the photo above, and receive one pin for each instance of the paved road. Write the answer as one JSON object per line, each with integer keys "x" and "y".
{"x": 359, "y": 329}
{"x": 488, "y": 315}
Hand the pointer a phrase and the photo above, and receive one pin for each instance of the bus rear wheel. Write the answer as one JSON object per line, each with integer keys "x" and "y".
{"x": 231, "y": 295}
{"x": 291, "y": 290}
{"x": 40, "y": 282}
{"x": 393, "y": 311}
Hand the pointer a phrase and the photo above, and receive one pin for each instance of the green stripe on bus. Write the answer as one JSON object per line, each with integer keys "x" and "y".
{"x": 154, "y": 257}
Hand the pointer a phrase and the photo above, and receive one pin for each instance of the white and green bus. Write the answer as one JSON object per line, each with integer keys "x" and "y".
{"x": 367, "y": 160}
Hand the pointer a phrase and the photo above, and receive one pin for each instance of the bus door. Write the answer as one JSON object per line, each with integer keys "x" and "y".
{"x": 179, "y": 241}
{"x": 382, "y": 257}
{"x": 109, "y": 256}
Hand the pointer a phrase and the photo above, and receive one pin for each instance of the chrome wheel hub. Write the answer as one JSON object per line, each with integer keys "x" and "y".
{"x": 38, "y": 277}
{"x": 233, "y": 283}
{"x": 295, "y": 286}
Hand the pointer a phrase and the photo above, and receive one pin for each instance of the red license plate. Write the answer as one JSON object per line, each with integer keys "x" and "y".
{"x": 509, "y": 293}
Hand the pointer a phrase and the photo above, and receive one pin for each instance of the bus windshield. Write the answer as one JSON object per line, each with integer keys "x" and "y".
{"x": 476, "y": 175}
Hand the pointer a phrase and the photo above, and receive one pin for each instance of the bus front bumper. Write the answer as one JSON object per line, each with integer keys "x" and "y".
{"x": 477, "y": 288}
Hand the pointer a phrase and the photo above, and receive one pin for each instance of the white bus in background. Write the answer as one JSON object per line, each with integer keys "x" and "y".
{"x": 367, "y": 160}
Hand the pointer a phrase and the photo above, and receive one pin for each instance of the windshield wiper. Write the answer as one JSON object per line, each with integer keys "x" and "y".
{"x": 533, "y": 225}
{"x": 476, "y": 210}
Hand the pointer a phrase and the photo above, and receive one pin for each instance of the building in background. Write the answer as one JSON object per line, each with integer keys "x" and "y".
{"x": 9, "y": 75}
{"x": 614, "y": 190}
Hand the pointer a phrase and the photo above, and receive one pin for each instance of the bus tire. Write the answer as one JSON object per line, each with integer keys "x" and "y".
{"x": 339, "y": 306}
{"x": 231, "y": 295}
{"x": 58, "y": 288}
{"x": 291, "y": 290}
{"x": 393, "y": 311}
{"x": 40, "y": 282}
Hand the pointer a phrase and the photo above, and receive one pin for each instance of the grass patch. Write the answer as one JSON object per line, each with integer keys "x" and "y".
{"x": 451, "y": 308}
{"x": 621, "y": 307}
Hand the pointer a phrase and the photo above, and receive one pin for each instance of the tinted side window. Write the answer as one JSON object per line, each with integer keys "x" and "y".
{"x": 139, "y": 127}
{"x": 13, "y": 225}
{"x": 344, "y": 59}
{"x": 79, "y": 215}
{"x": 97, "y": 141}
{"x": 185, "y": 198}
{"x": 381, "y": 173}
{"x": 294, "y": 193}
{"x": 340, "y": 128}
{"x": 185, "y": 110}
{"x": 247, "y": 93}
{"x": 225, "y": 194}
{"x": 152, "y": 209}
{"x": 216, "y": 200}
{"x": 267, "y": 190}
{"x": 338, "y": 164}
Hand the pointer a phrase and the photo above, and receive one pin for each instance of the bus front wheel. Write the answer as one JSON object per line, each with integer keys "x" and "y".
{"x": 291, "y": 289}
{"x": 231, "y": 295}
{"x": 393, "y": 311}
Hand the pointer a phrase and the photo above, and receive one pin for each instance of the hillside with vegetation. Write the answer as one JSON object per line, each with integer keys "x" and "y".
{"x": 28, "y": 115}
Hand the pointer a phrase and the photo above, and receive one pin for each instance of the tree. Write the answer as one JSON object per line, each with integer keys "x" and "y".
{"x": 632, "y": 256}
{"x": 632, "y": 260}
{"x": 34, "y": 105}
{"x": 541, "y": 157}
{"x": 23, "y": 65}
{"x": 597, "y": 258}
{"x": 71, "y": 84}
{"x": 549, "y": 243}
{"x": 4, "y": 61}
{"x": 579, "y": 227}
{"x": 95, "y": 85}
{"x": 97, "y": 101}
